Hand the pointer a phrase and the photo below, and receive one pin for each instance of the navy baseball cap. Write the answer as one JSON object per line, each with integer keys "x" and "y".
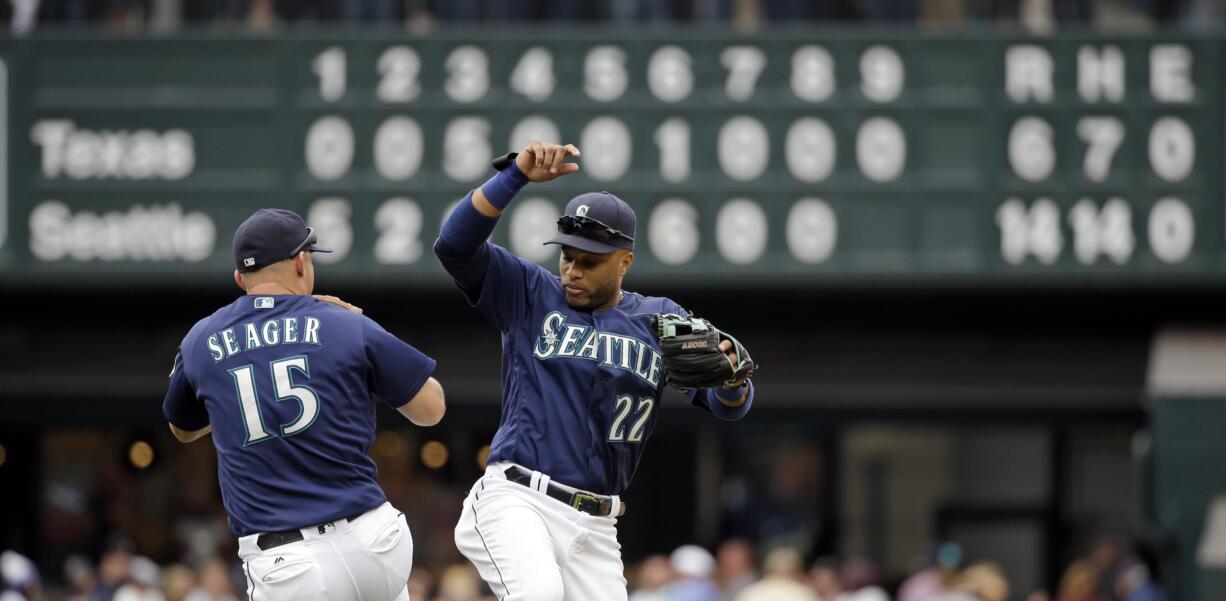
{"x": 596, "y": 222}
{"x": 269, "y": 236}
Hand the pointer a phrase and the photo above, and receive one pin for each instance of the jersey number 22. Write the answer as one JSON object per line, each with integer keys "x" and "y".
{"x": 283, "y": 386}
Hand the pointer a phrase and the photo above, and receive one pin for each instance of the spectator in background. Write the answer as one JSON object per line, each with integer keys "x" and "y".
{"x": 824, "y": 578}
{"x": 889, "y": 11}
{"x": 653, "y": 578}
{"x": 370, "y": 12}
{"x": 985, "y": 581}
{"x": 1133, "y": 583}
{"x": 937, "y": 571}
{"x": 421, "y": 583}
{"x": 459, "y": 582}
{"x": 143, "y": 585}
{"x": 214, "y": 583}
{"x": 861, "y": 580}
{"x": 177, "y": 581}
{"x": 782, "y": 581}
{"x": 1105, "y": 560}
{"x": 113, "y": 571}
{"x": 18, "y": 578}
{"x": 735, "y": 566}
{"x": 1079, "y": 583}
{"x": 1198, "y": 15}
{"x": 81, "y": 577}
{"x": 694, "y": 566}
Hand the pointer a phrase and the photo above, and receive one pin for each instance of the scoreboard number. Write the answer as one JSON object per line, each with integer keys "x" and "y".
{"x": 669, "y": 76}
{"x": 533, "y": 75}
{"x": 672, "y": 232}
{"x": 612, "y": 137}
{"x": 604, "y": 73}
{"x": 399, "y": 222}
{"x": 398, "y": 148}
{"x": 812, "y": 73}
{"x": 331, "y": 218}
{"x": 329, "y": 65}
{"x": 399, "y": 68}
{"x": 741, "y": 231}
{"x": 744, "y": 65}
{"x": 810, "y": 150}
{"x": 466, "y": 148}
{"x": 1032, "y": 149}
{"x": 673, "y": 139}
{"x": 1172, "y": 149}
{"x": 1103, "y": 136}
{"x": 468, "y": 75}
{"x": 329, "y": 148}
{"x": 532, "y": 223}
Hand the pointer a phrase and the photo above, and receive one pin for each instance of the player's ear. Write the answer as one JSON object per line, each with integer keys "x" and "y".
{"x": 238, "y": 279}
{"x": 300, "y": 263}
{"x": 627, "y": 261}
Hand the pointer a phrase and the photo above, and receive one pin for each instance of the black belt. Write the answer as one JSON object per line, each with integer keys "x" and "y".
{"x": 269, "y": 540}
{"x": 590, "y": 503}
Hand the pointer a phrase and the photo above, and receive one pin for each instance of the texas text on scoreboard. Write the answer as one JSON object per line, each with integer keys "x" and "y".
{"x": 784, "y": 159}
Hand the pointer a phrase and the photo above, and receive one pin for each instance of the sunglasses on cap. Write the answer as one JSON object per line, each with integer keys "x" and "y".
{"x": 311, "y": 239}
{"x": 589, "y": 228}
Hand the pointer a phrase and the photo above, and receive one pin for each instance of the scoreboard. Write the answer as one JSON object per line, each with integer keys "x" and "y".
{"x": 799, "y": 158}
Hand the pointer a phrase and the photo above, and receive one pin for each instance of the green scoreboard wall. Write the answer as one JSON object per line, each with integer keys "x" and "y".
{"x": 794, "y": 159}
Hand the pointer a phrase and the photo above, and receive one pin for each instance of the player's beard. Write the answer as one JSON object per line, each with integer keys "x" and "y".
{"x": 596, "y": 298}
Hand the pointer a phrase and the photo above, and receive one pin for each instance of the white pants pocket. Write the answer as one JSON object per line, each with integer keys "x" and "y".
{"x": 390, "y": 544}
{"x": 286, "y": 573}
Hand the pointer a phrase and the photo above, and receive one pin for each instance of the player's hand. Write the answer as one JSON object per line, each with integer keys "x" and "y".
{"x": 726, "y": 346}
{"x": 327, "y": 298}
{"x": 542, "y": 162}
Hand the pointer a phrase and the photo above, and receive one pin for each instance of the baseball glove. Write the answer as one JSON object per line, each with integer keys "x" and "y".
{"x": 689, "y": 347}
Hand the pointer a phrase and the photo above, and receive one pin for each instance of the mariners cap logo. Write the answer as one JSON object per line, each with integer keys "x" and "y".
{"x": 581, "y": 211}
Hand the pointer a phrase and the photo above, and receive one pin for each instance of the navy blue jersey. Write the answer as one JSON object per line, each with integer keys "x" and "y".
{"x": 581, "y": 389}
{"x": 286, "y": 383}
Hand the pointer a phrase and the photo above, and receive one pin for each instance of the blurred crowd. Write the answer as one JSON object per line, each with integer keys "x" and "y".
{"x": 689, "y": 573}
{"x": 259, "y": 15}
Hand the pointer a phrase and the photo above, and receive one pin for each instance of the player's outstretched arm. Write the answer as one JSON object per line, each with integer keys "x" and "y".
{"x": 426, "y": 408}
{"x": 460, "y": 247}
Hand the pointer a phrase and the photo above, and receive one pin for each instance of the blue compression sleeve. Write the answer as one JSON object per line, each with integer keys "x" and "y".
{"x": 465, "y": 229}
{"x": 501, "y": 188}
{"x": 726, "y": 412}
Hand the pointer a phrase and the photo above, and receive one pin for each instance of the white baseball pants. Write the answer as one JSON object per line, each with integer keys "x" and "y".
{"x": 367, "y": 558}
{"x": 531, "y": 547}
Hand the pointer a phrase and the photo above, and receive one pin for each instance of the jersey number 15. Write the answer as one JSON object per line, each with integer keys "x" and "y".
{"x": 283, "y": 386}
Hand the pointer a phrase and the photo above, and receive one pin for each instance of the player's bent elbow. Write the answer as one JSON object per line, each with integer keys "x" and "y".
{"x": 427, "y": 407}
{"x": 185, "y": 436}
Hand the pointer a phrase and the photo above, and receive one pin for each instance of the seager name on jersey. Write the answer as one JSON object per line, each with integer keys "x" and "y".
{"x": 272, "y": 332}
{"x": 559, "y": 339}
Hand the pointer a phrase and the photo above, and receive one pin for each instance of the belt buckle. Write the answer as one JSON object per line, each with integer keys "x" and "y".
{"x": 580, "y": 497}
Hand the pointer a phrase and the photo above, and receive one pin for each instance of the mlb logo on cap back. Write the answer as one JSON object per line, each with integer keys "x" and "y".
{"x": 272, "y": 235}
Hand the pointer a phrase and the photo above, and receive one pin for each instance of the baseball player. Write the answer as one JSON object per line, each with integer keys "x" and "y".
{"x": 582, "y": 377}
{"x": 284, "y": 381}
